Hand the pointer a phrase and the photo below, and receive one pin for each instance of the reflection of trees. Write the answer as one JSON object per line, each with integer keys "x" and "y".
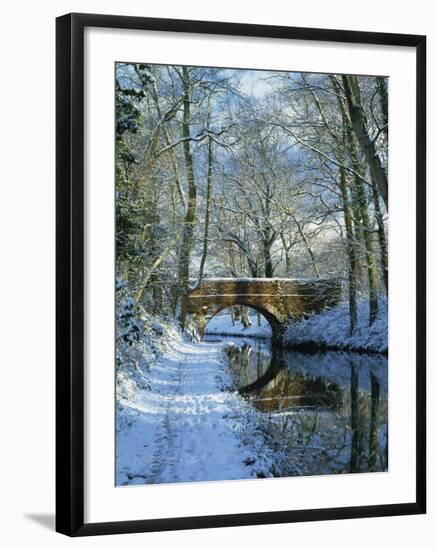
{"x": 365, "y": 425}
{"x": 316, "y": 425}
{"x": 245, "y": 356}
{"x": 247, "y": 363}
{"x": 374, "y": 423}
{"x": 260, "y": 364}
{"x": 353, "y": 464}
{"x": 290, "y": 390}
{"x": 369, "y": 425}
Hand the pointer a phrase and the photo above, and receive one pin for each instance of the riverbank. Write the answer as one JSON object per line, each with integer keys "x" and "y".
{"x": 325, "y": 331}
{"x": 329, "y": 330}
{"x": 187, "y": 423}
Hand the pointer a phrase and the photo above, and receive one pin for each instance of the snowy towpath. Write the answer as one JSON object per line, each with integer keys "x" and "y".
{"x": 188, "y": 427}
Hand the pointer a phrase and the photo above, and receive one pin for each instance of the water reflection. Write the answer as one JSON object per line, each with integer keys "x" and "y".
{"x": 325, "y": 412}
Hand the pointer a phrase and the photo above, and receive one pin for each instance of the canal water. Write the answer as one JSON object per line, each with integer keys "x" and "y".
{"x": 322, "y": 413}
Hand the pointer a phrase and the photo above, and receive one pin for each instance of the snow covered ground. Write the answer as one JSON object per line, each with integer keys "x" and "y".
{"x": 179, "y": 416}
{"x": 331, "y": 329}
{"x": 222, "y": 324}
{"x": 190, "y": 425}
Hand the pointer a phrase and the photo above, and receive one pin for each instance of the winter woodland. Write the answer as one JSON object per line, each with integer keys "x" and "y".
{"x": 249, "y": 174}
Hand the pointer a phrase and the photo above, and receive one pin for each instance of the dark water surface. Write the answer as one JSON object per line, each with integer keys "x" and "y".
{"x": 323, "y": 413}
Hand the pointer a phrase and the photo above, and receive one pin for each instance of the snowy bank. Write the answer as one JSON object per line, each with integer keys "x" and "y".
{"x": 330, "y": 330}
{"x": 187, "y": 423}
{"x": 222, "y": 325}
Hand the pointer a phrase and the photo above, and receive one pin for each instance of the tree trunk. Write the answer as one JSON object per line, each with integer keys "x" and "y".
{"x": 359, "y": 124}
{"x": 308, "y": 247}
{"x": 381, "y": 235}
{"x": 173, "y": 160}
{"x": 351, "y": 235}
{"x": 190, "y": 216}
{"x": 151, "y": 271}
{"x": 287, "y": 255}
{"x": 208, "y": 202}
{"x": 350, "y": 245}
{"x": 245, "y": 318}
{"x": 358, "y": 235}
{"x": 363, "y": 211}
{"x": 268, "y": 264}
{"x": 381, "y": 85}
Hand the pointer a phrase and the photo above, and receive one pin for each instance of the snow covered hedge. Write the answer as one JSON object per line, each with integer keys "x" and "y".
{"x": 140, "y": 340}
{"x": 330, "y": 329}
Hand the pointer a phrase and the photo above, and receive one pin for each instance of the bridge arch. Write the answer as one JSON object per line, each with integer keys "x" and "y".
{"x": 273, "y": 321}
{"x": 278, "y": 300}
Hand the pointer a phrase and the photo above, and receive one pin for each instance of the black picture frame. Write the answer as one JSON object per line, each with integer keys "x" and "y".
{"x": 70, "y": 273}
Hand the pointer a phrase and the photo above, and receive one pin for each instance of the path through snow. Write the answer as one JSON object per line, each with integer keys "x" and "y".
{"x": 188, "y": 427}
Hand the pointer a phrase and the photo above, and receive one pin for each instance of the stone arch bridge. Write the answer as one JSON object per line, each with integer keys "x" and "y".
{"x": 278, "y": 300}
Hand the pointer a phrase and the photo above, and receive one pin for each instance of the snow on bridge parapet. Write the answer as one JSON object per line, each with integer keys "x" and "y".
{"x": 277, "y": 299}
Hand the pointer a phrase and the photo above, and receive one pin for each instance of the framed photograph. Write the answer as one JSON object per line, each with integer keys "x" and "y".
{"x": 240, "y": 274}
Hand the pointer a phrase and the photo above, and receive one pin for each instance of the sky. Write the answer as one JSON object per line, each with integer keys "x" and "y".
{"x": 254, "y": 83}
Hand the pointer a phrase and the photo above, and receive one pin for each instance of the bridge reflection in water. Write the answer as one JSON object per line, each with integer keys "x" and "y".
{"x": 326, "y": 411}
